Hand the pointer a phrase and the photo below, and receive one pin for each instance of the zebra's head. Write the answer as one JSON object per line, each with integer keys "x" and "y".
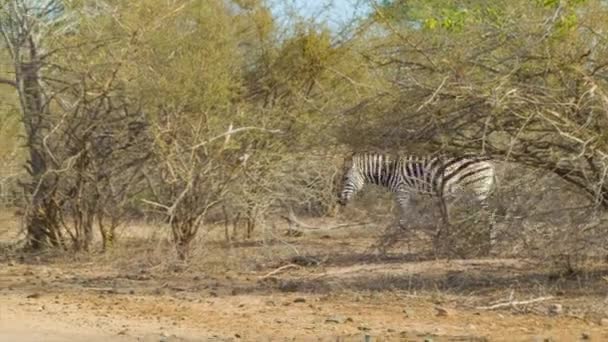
{"x": 352, "y": 180}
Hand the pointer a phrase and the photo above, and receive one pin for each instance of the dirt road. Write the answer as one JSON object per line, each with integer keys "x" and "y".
{"x": 55, "y": 303}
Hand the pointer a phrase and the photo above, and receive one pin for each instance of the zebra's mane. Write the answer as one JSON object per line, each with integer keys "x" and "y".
{"x": 394, "y": 156}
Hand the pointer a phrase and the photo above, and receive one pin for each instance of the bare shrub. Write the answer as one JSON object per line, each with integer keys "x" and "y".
{"x": 85, "y": 140}
{"x": 292, "y": 183}
{"x": 539, "y": 216}
{"x": 11, "y": 193}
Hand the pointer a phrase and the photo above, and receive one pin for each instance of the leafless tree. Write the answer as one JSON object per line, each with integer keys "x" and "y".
{"x": 24, "y": 27}
{"x": 194, "y": 172}
{"x": 81, "y": 130}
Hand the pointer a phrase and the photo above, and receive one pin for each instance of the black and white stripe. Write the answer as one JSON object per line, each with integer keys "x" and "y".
{"x": 441, "y": 176}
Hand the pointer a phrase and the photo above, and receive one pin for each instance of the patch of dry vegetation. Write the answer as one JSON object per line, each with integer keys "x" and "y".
{"x": 193, "y": 149}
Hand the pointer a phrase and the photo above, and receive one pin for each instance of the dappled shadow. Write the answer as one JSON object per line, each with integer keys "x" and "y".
{"x": 463, "y": 282}
{"x": 321, "y": 270}
{"x": 351, "y": 259}
{"x": 414, "y": 272}
{"x": 408, "y": 335}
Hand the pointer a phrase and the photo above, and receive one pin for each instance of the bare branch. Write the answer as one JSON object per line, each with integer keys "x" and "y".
{"x": 293, "y": 221}
{"x": 8, "y": 82}
{"x": 278, "y": 270}
{"x": 514, "y": 303}
{"x": 231, "y": 131}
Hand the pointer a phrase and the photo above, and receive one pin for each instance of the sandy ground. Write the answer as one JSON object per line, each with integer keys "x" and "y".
{"x": 56, "y": 303}
{"x": 323, "y": 287}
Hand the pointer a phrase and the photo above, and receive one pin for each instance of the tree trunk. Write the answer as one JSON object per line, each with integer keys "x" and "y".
{"x": 38, "y": 225}
{"x": 182, "y": 237}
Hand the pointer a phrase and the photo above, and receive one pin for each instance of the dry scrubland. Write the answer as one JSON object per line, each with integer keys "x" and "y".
{"x": 118, "y": 117}
{"x": 328, "y": 286}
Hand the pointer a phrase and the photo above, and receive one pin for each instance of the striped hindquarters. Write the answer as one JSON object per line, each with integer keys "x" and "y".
{"x": 469, "y": 174}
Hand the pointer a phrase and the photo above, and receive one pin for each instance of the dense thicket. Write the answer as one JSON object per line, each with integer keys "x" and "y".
{"x": 186, "y": 110}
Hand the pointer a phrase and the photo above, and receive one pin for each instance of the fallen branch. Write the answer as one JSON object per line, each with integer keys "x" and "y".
{"x": 8, "y": 82}
{"x": 278, "y": 270}
{"x": 297, "y": 225}
{"x": 513, "y": 303}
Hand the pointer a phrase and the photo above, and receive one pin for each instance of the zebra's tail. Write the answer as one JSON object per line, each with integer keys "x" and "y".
{"x": 495, "y": 181}
{"x": 495, "y": 184}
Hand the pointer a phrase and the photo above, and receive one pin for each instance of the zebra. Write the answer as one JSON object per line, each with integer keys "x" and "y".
{"x": 407, "y": 175}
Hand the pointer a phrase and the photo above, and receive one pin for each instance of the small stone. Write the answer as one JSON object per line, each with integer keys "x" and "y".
{"x": 441, "y": 312}
{"x": 11, "y": 264}
{"x": 604, "y": 322}
{"x": 338, "y": 319}
{"x": 33, "y": 295}
{"x": 363, "y": 328}
{"x": 555, "y": 309}
{"x": 543, "y": 339}
{"x": 299, "y": 300}
{"x": 122, "y": 332}
{"x": 237, "y": 335}
{"x": 585, "y": 336}
{"x": 389, "y": 330}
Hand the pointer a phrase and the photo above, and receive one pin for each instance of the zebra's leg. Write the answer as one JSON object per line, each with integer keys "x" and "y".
{"x": 392, "y": 234}
{"x": 404, "y": 202}
{"x": 441, "y": 238}
{"x": 445, "y": 214}
{"x": 491, "y": 232}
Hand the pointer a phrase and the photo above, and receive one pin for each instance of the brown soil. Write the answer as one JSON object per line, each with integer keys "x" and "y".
{"x": 337, "y": 292}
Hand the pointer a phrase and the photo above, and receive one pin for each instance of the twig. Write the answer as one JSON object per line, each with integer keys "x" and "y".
{"x": 156, "y": 204}
{"x": 430, "y": 99}
{"x": 513, "y": 303}
{"x": 8, "y": 82}
{"x": 293, "y": 221}
{"x": 278, "y": 270}
{"x": 231, "y": 131}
